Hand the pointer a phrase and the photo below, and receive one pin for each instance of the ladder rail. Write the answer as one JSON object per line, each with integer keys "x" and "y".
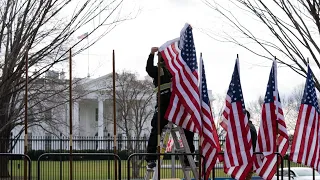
{"x": 186, "y": 149}
{"x": 171, "y": 130}
{"x": 163, "y": 145}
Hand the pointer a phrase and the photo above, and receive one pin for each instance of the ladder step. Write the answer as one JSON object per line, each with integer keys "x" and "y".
{"x": 175, "y": 132}
{"x": 175, "y": 129}
{"x": 180, "y": 150}
{"x": 188, "y": 168}
{"x": 150, "y": 169}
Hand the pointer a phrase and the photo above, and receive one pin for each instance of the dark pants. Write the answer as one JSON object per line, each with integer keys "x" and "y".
{"x": 153, "y": 139}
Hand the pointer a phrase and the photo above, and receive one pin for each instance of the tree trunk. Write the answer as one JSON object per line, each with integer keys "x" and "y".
{"x": 4, "y": 138}
{"x": 4, "y": 172}
{"x": 134, "y": 161}
{"x": 135, "y": 167}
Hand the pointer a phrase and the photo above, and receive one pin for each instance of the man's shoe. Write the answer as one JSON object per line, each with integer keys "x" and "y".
{"x": 152, "y": 164}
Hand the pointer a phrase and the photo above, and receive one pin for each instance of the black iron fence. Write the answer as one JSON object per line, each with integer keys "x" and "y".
{"x": 93, "y": 166}
{"x": 38, "y": 145}
{"x": 13, "y": 166}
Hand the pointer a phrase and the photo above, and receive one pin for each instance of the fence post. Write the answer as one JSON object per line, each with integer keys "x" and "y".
{"x": 60, "y": 156}
{"x": 11, "y": 149}
{"x": 288, "y": 165}
{"x": 109, "y": 168}
{"x": 173, "y": 163}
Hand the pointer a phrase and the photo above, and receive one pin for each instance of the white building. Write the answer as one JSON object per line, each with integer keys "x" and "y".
{"x": 91, "y": 119}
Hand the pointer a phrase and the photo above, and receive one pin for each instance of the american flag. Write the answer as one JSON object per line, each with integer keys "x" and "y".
{"x": 185, "y": 109}
{"x": 210, "y": 141}
{"x": 180, "y": 58}
{"x": 306, "y": 135}
{"x": 272, "y": 123}
{"x": 238, "y": 147}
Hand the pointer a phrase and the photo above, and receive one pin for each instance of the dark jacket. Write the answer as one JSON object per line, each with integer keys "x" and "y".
{"x": 165, "y": 77}
{"x": 153, "y": 72}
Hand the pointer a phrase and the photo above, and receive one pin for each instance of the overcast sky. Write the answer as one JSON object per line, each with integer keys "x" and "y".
{"x": 160, "y": 21}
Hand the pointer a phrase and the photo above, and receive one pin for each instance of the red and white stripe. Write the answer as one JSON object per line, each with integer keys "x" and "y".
{"x": 225, "y": 114}
{"x": 273, "y": 135}
{"x": 185, "y": 99}
{"x": 267, "y": 142}
{"x": 238, "y": 147}
{"x": 185, "y": 109}
{"x": 306, "y": 138}
{"x": 209, "y": 141}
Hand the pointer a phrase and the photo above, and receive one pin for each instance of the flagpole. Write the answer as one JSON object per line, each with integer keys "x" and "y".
{"x": 70, "y": 111}
{"x": 200, "y": 94}
{"x": 277, "y": 108}
{"x": 313, "y": 173}
{"x": 159, "y": 69}
{"x": 277, "y": 96}
{"x": 88, "y": 54}
{"x": 114, "y": 114}
{"x": 26, "y": 116}
{"x": 238, "y": 64}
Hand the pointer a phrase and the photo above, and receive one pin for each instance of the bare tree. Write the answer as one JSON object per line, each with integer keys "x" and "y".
{"x": 41, "y": 31}
{"x": 255, "y": 109}
{"x": 291, "y": 104}
{"x": 135, "y": 100}
{"x": 291, "y": 30}
{"x": 218, "y": 106}
{"x": 48, "y": 101}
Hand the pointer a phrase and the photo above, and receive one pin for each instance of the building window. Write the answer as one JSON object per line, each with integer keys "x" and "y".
{"x": 97, "y": 114}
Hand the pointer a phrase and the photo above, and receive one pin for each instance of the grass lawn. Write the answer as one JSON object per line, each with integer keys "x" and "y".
{"x": 92, "y": 170}
{"x": 81, "y": 169}
{"x": 99, "y": 169}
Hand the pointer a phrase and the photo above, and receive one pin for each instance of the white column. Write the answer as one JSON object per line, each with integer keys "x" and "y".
{"x": 100, "y": 122}
{"x": 76, "y": 124}
{"x": 100, "y": 117}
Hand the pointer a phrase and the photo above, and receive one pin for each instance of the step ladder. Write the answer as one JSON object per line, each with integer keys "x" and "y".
{"x": 170, "y": 128}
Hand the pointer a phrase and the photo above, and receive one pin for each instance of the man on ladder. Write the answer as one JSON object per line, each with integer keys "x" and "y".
{"x": 165, "y": 93}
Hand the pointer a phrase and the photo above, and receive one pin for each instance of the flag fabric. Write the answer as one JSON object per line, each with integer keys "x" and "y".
{"x": 272, "y": 123}
{"x": 185, "y": 109}
{"x": 209, "y": 133}
{"x": 170, "y": 145}
{"x": 83, "y": 36}
{"x": 238, "y": 153}
{"x": 306, "y": 134}
{"x": 180, "y": 59}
